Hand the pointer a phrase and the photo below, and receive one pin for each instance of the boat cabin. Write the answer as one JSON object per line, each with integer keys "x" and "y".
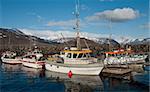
{"x": 74, "y": 56}
{"x": 9, "y": 54}
{"x": 120, "y": 52}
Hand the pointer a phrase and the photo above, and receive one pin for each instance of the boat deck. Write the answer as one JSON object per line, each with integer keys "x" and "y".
{"x": 98, "y": 64}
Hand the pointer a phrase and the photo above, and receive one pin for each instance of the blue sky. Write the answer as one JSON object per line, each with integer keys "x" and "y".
{"x": 128, "y": 18}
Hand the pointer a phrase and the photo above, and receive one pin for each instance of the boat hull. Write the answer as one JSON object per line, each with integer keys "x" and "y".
{"x": 11, "y": 61}
{"x": 75, "y": 69}
{"x": 37, "y": 65}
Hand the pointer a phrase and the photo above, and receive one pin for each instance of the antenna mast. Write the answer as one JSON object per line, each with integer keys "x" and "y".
{"x": 77, "y": 25}
{"x": 110, "y": 28}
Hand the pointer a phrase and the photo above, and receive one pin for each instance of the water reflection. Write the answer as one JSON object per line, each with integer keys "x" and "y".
{"x": 10, "y": 68}
{"x": 77, "y": 83}
{"x": 33, "y": 73}
{"x": 17, "y": 78}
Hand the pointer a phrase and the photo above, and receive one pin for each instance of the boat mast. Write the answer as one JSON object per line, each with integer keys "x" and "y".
{"x": 9, "y": 41}
{"x": 77, "y": 25}
{"x": 109, "y": 39}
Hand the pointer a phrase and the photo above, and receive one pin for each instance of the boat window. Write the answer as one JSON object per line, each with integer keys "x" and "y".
{"x": 74, "y": 55}
{"x": 91, "y": 54}
{"x": 6, "y": 56}
{"x": 88, "y": 54}
{"x": 80, "y": 55}
{"x": 84, "y": 55}
{"x": 62, "y": 53}
{"x": 69, "y": 55}
{"x": 110, "y": 55}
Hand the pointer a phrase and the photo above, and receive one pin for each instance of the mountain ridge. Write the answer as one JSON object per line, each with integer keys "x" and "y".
{"x": 20, "y": 39}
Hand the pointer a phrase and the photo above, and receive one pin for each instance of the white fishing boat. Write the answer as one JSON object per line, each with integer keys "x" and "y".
{"x": 33, "y": 60}
{"x": 123, "y": 57}
{"x": 76, "y": 60}
{"x": 10, "y": 58}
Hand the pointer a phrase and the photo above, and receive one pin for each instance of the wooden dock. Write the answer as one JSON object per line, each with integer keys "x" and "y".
{"x": 117, "y": 66}
{"x": 122, "y": 73}
{"x": 118, "y": 71}
{"x": 147, "y": 63}
{"x": 133, "y": 67}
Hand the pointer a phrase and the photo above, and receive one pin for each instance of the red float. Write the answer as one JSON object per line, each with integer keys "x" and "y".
{"x": 70, "y": 74}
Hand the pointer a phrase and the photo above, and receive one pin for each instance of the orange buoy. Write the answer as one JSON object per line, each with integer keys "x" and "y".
{"x": 70, "y": 74}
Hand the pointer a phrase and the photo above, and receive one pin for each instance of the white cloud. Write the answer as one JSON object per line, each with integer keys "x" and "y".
{"x": 116, "y": 15}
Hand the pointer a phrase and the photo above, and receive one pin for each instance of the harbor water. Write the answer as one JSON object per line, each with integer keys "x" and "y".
{"x": 17, "y": 78}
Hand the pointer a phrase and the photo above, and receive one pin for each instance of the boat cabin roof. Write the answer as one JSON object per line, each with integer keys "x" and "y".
{"x": 77, "y": 51}
{"x": 118, "y": 52}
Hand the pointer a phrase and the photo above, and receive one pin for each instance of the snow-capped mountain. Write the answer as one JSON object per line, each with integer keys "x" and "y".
{"x": 16, "y": 31}
{"x": 62, "y": 40}
{"x": 139, "y": 41}
{"x": 15, "y": 38}
{"x": 106, "y": 41}
{"x": 100, "y": 41}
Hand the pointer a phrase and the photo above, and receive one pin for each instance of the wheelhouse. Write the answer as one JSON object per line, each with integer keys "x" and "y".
{"x": 76, "y": 53}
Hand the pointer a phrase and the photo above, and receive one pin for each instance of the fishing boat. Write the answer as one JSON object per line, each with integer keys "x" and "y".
{"x": 33, "y": 59}
{"x": 75, "y": 60}
{"x": 123, "y": 56}
{"x": 10, "y": 58}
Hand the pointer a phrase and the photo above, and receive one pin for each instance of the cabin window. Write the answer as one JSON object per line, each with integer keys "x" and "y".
{"x": 74, "y": 55}
{"x": 88, "y": 55}
{"x": 62, "y": 53}
{"x": 91, "y": 54}
{"x": 113, "y": 55}
{"x": 69, "y": 55}
{"x": 84, "y": 55}
{"x": 109, "y": 55}
{"x": 80, "y": 55}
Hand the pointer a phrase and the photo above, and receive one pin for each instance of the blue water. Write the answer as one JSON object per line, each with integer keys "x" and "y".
{"x": 147, "y": 68}
{"x": 17, "y": 78}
